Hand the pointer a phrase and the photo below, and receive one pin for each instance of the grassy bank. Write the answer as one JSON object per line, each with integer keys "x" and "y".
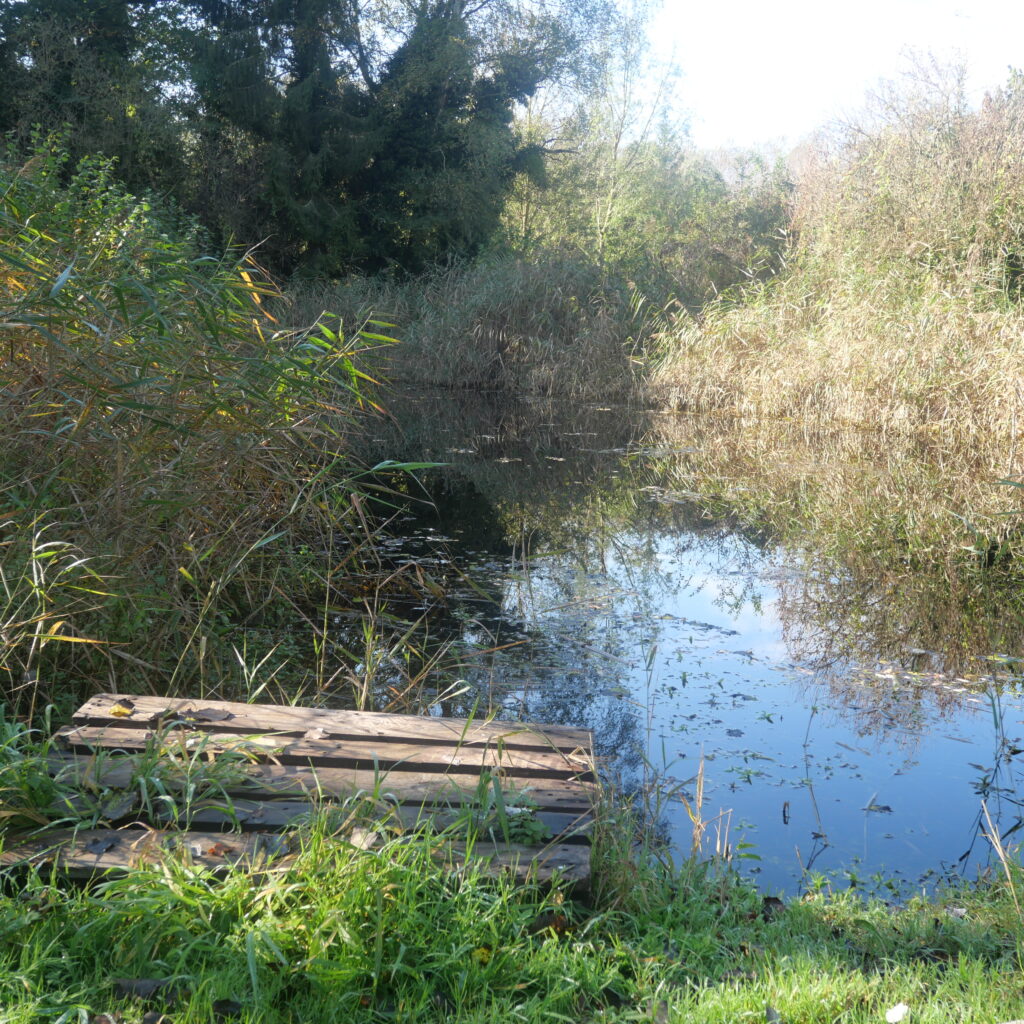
{"x": 894, "y": 305}
{"x": 342, "y": 936}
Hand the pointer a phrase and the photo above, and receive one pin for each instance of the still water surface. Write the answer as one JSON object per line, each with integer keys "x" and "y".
{"x": 596, "y": 590}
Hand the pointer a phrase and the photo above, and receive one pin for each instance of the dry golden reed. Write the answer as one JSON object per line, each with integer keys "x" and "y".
{"x": 901, "y": 307}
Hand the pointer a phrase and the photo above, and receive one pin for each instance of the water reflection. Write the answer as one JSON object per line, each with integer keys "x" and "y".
{"x": 772, "y": 604}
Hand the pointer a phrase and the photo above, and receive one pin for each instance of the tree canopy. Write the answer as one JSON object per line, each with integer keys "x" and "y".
{"x": 342, "y": 134}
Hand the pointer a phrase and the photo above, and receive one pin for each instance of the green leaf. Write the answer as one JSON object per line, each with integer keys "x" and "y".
{"x": 63, "y": 279}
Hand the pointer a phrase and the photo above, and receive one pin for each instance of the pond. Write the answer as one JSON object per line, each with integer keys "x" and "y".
{"x": 748, "y": 603}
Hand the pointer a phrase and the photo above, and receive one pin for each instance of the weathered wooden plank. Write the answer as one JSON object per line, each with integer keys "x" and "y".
{"x": 567, "y": 862}
{"x": 264, "y": 767}
{"x": 251, "y": 780}
{"x": 383, "y": 754}
{"x": 263, "y": 815}
{"x": 297, "y": 721}
{"x": 85, "y": 853}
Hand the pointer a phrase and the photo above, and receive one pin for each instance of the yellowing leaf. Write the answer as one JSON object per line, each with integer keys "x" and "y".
{"x": 123, "y": 709}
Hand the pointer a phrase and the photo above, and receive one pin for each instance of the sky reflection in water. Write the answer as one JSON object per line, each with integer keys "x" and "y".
{"x": 829, "y": 777}
{"x": 666, "y": 634}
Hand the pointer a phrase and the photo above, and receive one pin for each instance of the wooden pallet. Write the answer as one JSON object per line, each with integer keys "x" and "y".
{"x": 262, "y": 769}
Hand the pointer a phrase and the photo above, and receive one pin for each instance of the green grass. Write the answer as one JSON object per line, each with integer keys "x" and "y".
{"x": 329, "y": 932}
{"x": 343, "y": 935}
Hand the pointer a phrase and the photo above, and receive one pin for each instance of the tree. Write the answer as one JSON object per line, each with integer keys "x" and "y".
{"x": 383, "y": 128}
{"x": 340, "y": 133}
{"x": 625, "y": 189}
{"x": 96, "y": 71}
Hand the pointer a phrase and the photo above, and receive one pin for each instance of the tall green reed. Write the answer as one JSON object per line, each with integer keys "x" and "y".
{"x": 160, "y": 419}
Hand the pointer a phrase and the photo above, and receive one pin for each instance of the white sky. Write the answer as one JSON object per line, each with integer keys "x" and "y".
{"x": 756, "y": 71}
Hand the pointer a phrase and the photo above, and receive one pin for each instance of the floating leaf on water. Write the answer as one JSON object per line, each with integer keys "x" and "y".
{"x": 734, "y": 732}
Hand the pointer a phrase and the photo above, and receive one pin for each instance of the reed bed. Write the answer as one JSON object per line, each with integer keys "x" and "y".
{"x": 900, "y": 309}
{"x": 552, "y": 327}
{"x": 170, "y": 451}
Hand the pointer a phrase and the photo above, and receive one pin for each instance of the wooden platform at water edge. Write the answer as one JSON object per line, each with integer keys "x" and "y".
{"x": 258, "y": 770}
